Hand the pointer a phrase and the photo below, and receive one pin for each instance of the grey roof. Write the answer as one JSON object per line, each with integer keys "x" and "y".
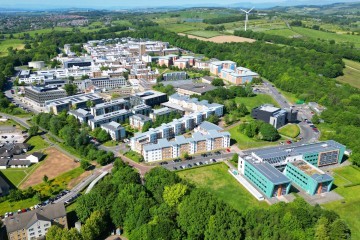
{"x": 110, "y": 115}
{"x": 285, "y": 151}
{"x": 23, "y": 220}
{"x": 4, "y": 162}
{"x": 141, "y": 117}
{"x": 197, "y": 87}
{"x": 111, "y": 103}
{"x": 4, "y": 186}
{"x": 19, "y": 162}
{"x": 113, "y": 126}
{"x": 209, "y": 126}
{"x": 80, "y": 112}
{"x": 322, "y": 177}
{"x": 173, "y": 106}
{"x": 270, "y": 172}
{"x": 39, "y": 155}
{"x": 19, "y": 157}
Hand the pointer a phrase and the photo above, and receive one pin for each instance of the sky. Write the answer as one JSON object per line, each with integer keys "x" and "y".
{"x": 118, "y": 4}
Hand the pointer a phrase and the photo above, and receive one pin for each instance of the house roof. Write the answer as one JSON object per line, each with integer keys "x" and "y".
{"x": 23, "y": 220}
{"x": 207, "y": 126}
{"x": 19, "y": 162}
{"x": 39, "y": 155}
{"x": 113, "y": 126}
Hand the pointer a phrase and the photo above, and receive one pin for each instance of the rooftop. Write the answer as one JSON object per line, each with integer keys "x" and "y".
{"x": 270, "y": 172}
{"x": 197, "y": 87}
{"x": 284, "y": 151}
{"x": 110, "y": 115}
{"x": 268, "y": 108}
{"x": 113, "y": 126}
{"x": 27, "y": 219}
{"x": 312, "y": 171}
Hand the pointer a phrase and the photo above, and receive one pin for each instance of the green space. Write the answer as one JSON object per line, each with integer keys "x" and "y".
{"x": 37, "y": 143}
{"x": 259, "y": 99}
{"x": 110, "y": 143}
{"x": 17, "y": 175}
{"x": 339, "y": 38}
{"x": 8, "y": 206}
{"x": 53, "y": 186}
{"x": 282, "y": 32}
{"x": 290, "y": 97}
{"x": 14, "y": 43}
{"x": 351, "y": 73}
{"x": 244, "y": 142}
{"x": 217, "y": 180}
{"x": 134, "y": 156}
{"x": 348, "y": 209}
{"x": 203, "y": 33}
{"x": 179, "y": 28}
{"x": 290, "y": 130}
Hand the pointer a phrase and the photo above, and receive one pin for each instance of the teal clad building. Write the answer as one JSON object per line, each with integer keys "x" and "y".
{"x": 266, "y": 178}
{"x": 308, "y": 177}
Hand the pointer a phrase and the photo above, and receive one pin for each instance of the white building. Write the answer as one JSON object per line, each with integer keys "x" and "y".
{"x": 115, "y": 130}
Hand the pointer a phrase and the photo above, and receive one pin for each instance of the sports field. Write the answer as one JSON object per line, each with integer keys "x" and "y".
{"x": 221, "y": 39}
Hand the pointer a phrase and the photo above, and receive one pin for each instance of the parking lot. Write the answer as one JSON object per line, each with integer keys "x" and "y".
{"x": 196, "y": 161}
{"x": 11, "y": 135}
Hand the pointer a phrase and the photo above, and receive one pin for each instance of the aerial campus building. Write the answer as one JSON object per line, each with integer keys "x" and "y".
{"x": 277, "y": 117}
{"x": 271, "y": 169}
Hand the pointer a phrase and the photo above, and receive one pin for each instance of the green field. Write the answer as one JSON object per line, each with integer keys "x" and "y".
{"x": 17, "y": 175}
{"x": 203, "y": 33}
{"x": 282, "y": 32}
{"x": 259, "y": 99}
{"x": 339, "y": 38}
{"x": 134, "y": 156}
{"x": 37, "y": 143}
{"x": 290, "y": 130}
{"x": 179, "y": 28}
{"x": 5, "y": 44}
{"x": 8, "y": 206}
{"x": 217, "y": 180}
{"x": 348, "y": 209}
{"x": 351, "y": 73}
{"x": 244, "y": 142}
{"x": 110, "y": 143}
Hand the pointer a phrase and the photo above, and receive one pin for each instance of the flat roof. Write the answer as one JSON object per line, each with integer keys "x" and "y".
{"x": 269, "y": 108}
{"x": 312, "y": 171}
{"x": 197, "y": 87}
{"x": 284, "y": 150}
{"x": 270, "y": 172}
{"x": 111, "y": 103}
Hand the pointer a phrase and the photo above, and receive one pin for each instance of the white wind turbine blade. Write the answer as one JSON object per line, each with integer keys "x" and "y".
{"x": 250, "y": 10}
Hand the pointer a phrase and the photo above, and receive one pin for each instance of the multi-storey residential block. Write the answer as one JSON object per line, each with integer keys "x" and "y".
{"x": 109, "y": 107}
{"x": 198, "y": 143}
{"x": 35, "y": 224}
{"x": 142, "y": 109}
{"x": 137, "y": 121}
{"x": 72, "y": 102}
{"x": 118, "y": 116}
{"x": 115, "y": 130}
{"x": 81, "y": 115}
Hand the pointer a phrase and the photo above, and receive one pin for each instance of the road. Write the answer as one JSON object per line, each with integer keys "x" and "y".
{"x": 306, "y": 132}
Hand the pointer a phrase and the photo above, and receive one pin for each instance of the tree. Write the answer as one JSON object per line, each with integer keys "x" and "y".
{"x": 33, "y": 130}
{"x": 146, "y": 126}
{"x": 218, "y": 82}
{"x": 172, "y": 194}
{"x": 185, "y": 155}
{"x": 321, "y": 230}
{"x": 70, "y": 89}
{"x": 243, "y": 109}
{"x": 94, "y": 226}
{"x": 71, "y": 78}
{"x": 84, "y": 77}
{"x": 315, "y": 119}
{"x": 268, "y": 132}
{"x": 45, "y": 179}
{"x": 89, "y": 104}
{"x": 84, "y": 164}
{"x": 235, "y": 158}
{"x": 339, "y": 230}
{"x": 213, "y": 118}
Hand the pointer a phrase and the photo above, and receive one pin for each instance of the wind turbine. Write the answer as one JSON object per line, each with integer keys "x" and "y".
{"x": 246, "y": 16}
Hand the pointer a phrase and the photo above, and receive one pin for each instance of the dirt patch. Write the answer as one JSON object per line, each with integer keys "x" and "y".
{"x": 54, "y": 165}
{"x": 221, "y": 39}
{"x": 75, "y": 181}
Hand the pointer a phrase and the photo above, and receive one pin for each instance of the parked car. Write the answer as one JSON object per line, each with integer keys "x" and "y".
{"x": 288, "y": 142}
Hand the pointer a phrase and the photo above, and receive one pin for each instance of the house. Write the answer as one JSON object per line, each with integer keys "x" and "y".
{"x": 115, "y": 130}
{"x": 35, "y": 224}
{"x": 35, "y": 157}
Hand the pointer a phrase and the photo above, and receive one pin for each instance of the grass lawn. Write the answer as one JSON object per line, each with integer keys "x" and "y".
{"x": 179, "y": 28}
{"x": 110, "y": 143}
{"x": 259, "y": 99}
{"x": 134, "y": 156}
{"x": 203, "y": 33}
{"x": 8, "y": 206}
{"x": 348, "y": 209}
{"x": 217, "y": 180}
{"x": 244, "y": 142}
{"x": 282, "y": 32}
{"x": 351, "y": 73}
{"x": 290, "y": 130}
{"x": 5, "y": 44}
{"x": 37, "y": 143}
{"x": 18, "y": 175}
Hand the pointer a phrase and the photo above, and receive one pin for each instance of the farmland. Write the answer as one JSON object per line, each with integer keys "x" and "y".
{"x": 351, "y": 73}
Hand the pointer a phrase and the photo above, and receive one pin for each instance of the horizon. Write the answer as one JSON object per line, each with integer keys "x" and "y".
{"x": 116, "y": 5}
